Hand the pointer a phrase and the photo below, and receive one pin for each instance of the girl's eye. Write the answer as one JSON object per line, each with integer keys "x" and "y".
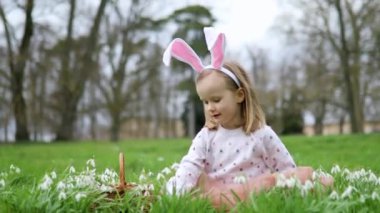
{"x": 205, "y": 102}
{"x": 216, "y": 100}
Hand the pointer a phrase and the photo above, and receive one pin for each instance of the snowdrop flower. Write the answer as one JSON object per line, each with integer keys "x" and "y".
{"x": 53, "y": 175}
{"x": 70, "y": 186}
{"x": 362, "y": 199}
{"x": 146, "y": 188}
{"x": 160, "y": 158}
{"x": 91, "y": 162}
{"x": 71, "y": 170}
{"x": 240, "y": 179}
{"x": 61, "y": 185}
{"x": 62, "y": 196}
{"x": 79, "y": 196}
{"x": 142, "y": 177}
{"x": 348, "y": 192}
{"x": 308, "y": 185}
{"x": 290, "y": 182}
{"x": 280, "y": 180}
{"x": 47, "y": 183}
{"x": 175, "y": 166}
{"x": 105, "y": 188}
{"x": 375, "y": 196}
{"x": 335, "y": 169}
{"x": 166, "y": 171}
{"x": 372, "y": 178}
{"x": 160, "y": 176}
{"x": 3, "y": 174}
{"x": 2, "y": 183}
{"x": 346, "y": 171}
{"x": 15, "y": 169}
{"x": 334, "y": 195}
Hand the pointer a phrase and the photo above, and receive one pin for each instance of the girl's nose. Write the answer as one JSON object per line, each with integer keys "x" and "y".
{"x": 211, "y": 107}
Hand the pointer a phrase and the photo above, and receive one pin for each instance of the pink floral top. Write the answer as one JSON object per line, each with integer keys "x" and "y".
{"x": 225, "y": 154}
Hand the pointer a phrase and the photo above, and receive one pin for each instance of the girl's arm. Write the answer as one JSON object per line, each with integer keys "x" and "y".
{"x": 230, "y": 194}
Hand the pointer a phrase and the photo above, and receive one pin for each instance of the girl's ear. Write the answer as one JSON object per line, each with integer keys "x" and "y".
{"x": 240, "y": 95}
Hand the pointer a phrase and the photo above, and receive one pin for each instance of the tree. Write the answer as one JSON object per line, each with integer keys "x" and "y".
{"x": 190, "y": 21}
{"x": 346, "y": 26}
{"x": 73, "y": 79}
{"x": 17, "y": 62}
{"x": 133, "y": 64}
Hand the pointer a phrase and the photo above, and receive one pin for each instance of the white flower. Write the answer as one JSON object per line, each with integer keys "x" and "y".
{"x": 160, "y": 176}
{"x": 334, "y": 195}
{"x": 15, "y": 169}
{"x": 166, "y": 171}
{"x": 71, "y": 170}
{"x": 105, "y": 188}
{"x": 46, "y": 183}
{"x": 280, "y": 180}
{"x": 335, "y": 169}
{"x": 374, "y": 196}
{"x": 175, "y": 166}
{"x": 372, "y": 178}
{"x": 53, "y": 175}
{"x": 160, "y": 158}
{"x": 346, "y": 171}
{"x": 62, "y": 196}
{"x": 2, "y": 183}
{"x": 362, "y": 199}
{"x": 348, "y": 192}
{"x": 91, "y": 162}
{"x": 308, "y": 185}
{"x": 61, "y": 185}
{"x": 142, "y": 177}
{"x": 79, "y": 196}
{"x": 290, "y": 182}
{"x": 240, "y": 179}
{"x": 146, "y": 188}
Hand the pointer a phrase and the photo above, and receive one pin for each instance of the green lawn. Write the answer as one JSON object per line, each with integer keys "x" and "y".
{"x": 356, "y": 190}
{"x": 352, "y": 151}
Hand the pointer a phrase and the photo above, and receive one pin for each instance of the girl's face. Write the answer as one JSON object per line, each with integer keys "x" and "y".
{"x": 222, "y": 104}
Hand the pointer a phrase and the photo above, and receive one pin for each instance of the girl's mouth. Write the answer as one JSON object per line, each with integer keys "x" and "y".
{"x": 216, "y": 116}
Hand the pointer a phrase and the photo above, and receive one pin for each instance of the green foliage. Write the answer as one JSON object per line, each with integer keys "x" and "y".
{"x": 33, "y": 177}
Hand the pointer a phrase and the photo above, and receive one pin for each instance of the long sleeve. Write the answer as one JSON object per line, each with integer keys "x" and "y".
{"x": 276, "y": 156}
{"x": 190, "y": 167}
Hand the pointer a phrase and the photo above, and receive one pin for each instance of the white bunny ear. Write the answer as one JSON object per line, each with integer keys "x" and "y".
{"x": 215, "y": 43}
{"x": 180, "y": 50}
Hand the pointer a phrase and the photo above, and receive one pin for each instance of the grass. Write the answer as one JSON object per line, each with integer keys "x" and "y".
{"x": 354, "y": 152}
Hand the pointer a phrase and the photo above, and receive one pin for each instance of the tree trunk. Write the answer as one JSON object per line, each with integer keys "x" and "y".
{"x": 73, "y": 93}
{"x": 351, "y": 77}
{"x": 17, "y": 64}
{"x": 115, "y": 129}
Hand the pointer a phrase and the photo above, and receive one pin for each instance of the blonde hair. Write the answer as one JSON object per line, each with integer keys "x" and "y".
{"x": 252, "y": 112}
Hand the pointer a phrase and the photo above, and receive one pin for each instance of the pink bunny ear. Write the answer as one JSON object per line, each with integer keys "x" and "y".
{"x": 215, "y": 44}
{"x": 180, "y": 50}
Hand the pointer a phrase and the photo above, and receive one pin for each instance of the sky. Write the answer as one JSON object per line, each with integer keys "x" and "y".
{"x": 245, "y": 22}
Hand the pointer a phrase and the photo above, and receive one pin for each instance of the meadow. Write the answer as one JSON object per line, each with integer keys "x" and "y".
{"x": 24, "y": 168}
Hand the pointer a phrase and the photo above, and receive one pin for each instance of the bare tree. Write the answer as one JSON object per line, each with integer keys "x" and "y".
{"x": 346, "y": 26}
{"x": 17, "y": 62}
{"x": 72, "y": 80}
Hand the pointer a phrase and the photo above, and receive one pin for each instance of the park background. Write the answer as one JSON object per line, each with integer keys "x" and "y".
{"x": 82, "y": 81}
{"x": 93, "y": 70}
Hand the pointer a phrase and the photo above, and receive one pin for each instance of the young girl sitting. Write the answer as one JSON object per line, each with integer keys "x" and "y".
{"x": 236, "y": 153}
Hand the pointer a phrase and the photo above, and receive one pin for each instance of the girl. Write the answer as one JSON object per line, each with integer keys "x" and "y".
{"x": 235, "y": 151}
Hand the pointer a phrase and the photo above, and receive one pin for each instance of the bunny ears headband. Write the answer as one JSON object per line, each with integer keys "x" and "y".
{"x": 180, "y": 50}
